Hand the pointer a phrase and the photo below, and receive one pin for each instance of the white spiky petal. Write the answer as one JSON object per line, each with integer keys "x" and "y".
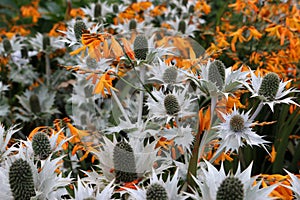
{"x": 211, "y": 179}
{"x": 295, "y": 184}
{"x": 231, "y": 140}
{"x": 171, "y": 186}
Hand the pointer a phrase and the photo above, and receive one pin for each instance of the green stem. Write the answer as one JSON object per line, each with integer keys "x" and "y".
{"x": 141, "y": 95}
{"x": 192, "y": 168}
{"x": 120, "y": 106}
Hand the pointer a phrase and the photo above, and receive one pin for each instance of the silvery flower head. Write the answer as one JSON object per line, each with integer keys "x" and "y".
{"x": 214, "y": 184}
{"x": 236, "y": 131}
{"x": 270, "y": 89}
{"x": 216, "y": 79}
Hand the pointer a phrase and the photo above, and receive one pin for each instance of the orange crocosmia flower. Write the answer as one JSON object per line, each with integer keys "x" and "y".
{"x": 76, "y": 12}
{"x": 58, "y": 26}
{"x": 274, "y": 30}
{"x": 105, "y": 82}
{"x": 273, "y": 154}
{"x": 254, "y": 33}
{"x": 116, "y": 49}
{"x": 30, "y": 11}
{"x": 158, "y": 10}
{"x": 128, "y": 49}
{"x": 204, "y": 119}
{"x": 237, "y": 35}
{"x": 202, "y": 6}
{"x": 163, "y": 142}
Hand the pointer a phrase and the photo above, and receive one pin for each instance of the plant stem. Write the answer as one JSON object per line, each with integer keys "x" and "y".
{"x": 258, "y": 109}
{"x": 141, "y": 94}
{"x": 48, "y": 70}
{"x": 120, "y": 106}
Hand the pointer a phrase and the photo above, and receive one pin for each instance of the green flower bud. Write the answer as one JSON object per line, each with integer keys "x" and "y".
{"x": 7, "y": 45}
{"x": 132, "y": 24}
{"x": 171, "y": 104}
{"x": 124, "y": 162}
{"x": 156, "y": 191}
{"x": 41, "y": 145}
{"x": 170, "y": 75}
{"x": 269, "y": 86}
{"x": 97, "y": 10}
{"x": 34, "y": 103}
{"x": 79, "y": 26}
{"x": 182, "y": 26}
{"x": 140, "y": 46}
{"x": 21, "y": 180}
{"x": 216, "y": 73}
{"x": 231, "y": 189}
{"x": 116, "y": 8}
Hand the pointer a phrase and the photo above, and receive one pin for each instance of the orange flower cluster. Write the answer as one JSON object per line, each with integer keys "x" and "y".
{"x": 31, "y": 11}
{"x": 268, "y": 36}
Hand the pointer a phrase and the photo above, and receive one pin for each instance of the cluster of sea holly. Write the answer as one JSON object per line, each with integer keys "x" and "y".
{"x": 149, "y": 101}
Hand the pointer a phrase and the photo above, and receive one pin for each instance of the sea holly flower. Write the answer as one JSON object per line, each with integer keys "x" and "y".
{"x": 214, "y": 184}
{"x": 178, "y": 103}
{"x": 236, "y": 131}
{"x": 166, "y": 74}
{"x": 140, "y": 156}
{"x": 270, "y": 89}
{"x": 158, "y": 189}
{"x": 36, "y": 182}
{"x": 215, "y": 79}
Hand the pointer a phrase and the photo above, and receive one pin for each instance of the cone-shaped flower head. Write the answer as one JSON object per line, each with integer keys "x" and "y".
{"x": 171, "y": 104}
{"x": 140, "y": 46}
{"x": 21, "y": 180}
{"x": 216, "y": 73}
{"x": 237, "y": 123}
{"x": 269, "y": 86}
{"x": 132, "y": 24}
{"x": 41, "y": 145}
{"x": 230, "y": 189}
{"x": 97, "y": 10}
{"x": 182, "y": 26}
{"x": 7, "y": 45}
{"x": 170, "y": 75}
{"x": 79, "y": 26}
{"x": 124, "y": 162}
{"x": 156, "y": 191}
{"x": 34, "y": 103}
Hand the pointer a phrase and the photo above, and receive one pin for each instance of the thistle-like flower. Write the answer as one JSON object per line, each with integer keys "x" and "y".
{"x": 236, "y": 130}
{"x": 165, "y": 74}
{"x": 214, "y": 184}
{"x": 20, "y": 176}
{"x": 215, "y": 79}
{"x": 168, "y": 106}
{"x": 270, "y": 89}
{"x": 118, "y": 163}
{"x": 158, "y": 189}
